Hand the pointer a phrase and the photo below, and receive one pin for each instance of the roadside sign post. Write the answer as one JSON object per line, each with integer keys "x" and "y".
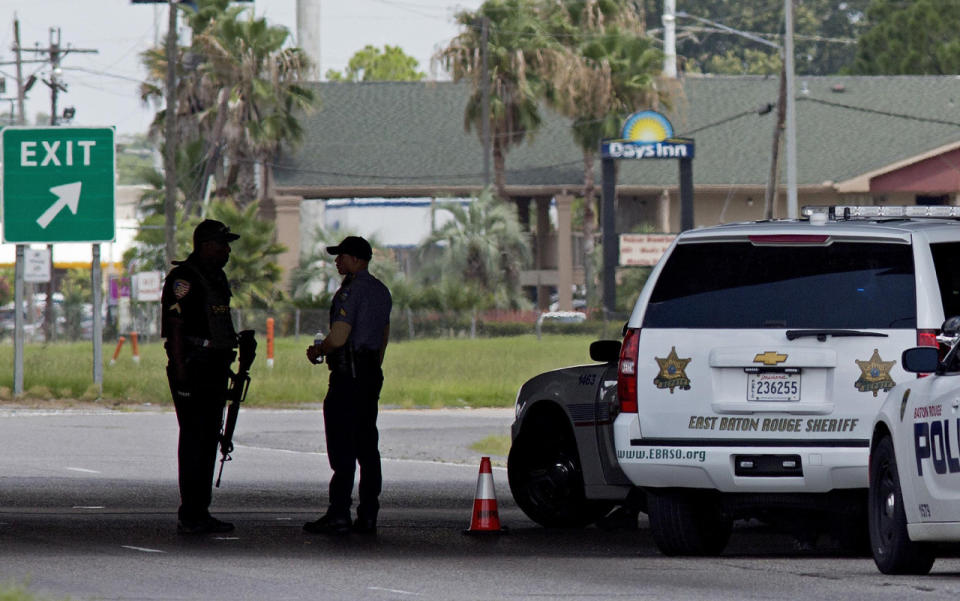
{"x": 59, "y": 185}
{"x": 18, "y": 322}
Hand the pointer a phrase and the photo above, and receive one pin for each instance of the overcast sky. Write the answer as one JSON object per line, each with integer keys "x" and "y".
{"x": 103, "y": 87}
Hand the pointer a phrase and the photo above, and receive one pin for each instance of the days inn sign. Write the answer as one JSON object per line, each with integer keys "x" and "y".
{"x": 647, "y": 135}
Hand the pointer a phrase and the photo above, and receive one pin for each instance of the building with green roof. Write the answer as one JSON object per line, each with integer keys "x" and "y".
{"x": 860, "y": 140}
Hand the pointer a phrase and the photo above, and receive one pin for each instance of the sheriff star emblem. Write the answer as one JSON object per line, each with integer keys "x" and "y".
{"x": 875, "y": 374}
{"x": 672, "y": 374}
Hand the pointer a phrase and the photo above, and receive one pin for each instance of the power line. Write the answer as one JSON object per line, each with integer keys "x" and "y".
{"x": 861, "y": 109}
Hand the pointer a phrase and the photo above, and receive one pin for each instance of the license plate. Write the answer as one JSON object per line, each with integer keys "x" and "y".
{"x": 773, "y": 386}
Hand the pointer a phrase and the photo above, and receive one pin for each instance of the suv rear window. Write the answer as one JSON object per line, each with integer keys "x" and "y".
{"x": 946, "y": 260}
{"x": 739, "y": 285}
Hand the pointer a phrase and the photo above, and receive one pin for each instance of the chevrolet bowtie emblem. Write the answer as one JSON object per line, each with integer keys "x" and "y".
{"x": 770, "y": 358}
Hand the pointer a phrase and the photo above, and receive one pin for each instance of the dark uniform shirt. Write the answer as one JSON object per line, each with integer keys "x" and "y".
{"x": 201, "y": 300}
{"x": 364, "y": 303}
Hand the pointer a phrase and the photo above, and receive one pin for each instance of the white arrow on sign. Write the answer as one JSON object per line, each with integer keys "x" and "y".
{"x": 68, "y": 195}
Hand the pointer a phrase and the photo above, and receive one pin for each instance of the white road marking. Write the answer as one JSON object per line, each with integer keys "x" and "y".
{"x": 81, "y": 469}
{"x": 142, "y": 549}
{"x": 89, "y": 507}
{"x": 226, "y": 538}
{"x": 391, "y": 590}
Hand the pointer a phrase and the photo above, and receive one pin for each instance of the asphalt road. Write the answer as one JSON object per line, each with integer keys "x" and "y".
{"x": 88, "y": 500}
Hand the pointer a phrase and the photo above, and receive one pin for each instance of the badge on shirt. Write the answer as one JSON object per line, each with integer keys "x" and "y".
{"x": 181, "y": 288}
{"x": 343, "y": 312}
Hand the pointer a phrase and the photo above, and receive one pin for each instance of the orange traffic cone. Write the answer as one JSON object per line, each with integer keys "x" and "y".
{"x": 486, "y": 518}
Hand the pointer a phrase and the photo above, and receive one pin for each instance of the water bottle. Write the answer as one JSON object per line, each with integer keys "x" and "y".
{"x": 317, "y": 339}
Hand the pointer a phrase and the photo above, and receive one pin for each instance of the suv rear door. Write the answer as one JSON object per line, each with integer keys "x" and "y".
{"x": 775, "y": 336}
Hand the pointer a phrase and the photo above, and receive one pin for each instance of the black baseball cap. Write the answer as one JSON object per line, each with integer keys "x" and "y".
{"x": 355, "y": 246}
{"x": 211, "y": 229}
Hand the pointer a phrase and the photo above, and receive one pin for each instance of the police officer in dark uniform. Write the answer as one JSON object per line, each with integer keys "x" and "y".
{"x": 354, "y": 349}
{"x": 200, "y": 339}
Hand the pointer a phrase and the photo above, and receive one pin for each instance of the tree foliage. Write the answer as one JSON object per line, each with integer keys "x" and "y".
{"x": 604, "y": 73}
{"x": 516, "y": 42}
{"x": 372, "y": 64}
{"x": 238, "y": 92}
{"x": 824, "y": 32}
{"x": 910, "y": 38}
{"x": 252, "y": 270}
{"x": 483, "y": 248}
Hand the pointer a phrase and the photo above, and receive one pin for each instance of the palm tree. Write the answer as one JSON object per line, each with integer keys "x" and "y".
{"x": 253, "y": 271}
{"x": 259, "y": 95}
{"x": 605, "y": 73}
{"x": 515, "y": 40}
{"x": 483, "y": 246}
{"x": 238, "y": 91}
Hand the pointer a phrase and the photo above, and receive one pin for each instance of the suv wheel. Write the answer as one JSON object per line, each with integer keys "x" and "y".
{"x": 893, "y": 551}
{"x": 547, "y": 483}
{"x": 685, "y": 523}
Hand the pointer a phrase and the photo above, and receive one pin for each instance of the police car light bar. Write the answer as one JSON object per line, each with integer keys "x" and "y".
{"x": 841, "y": 212}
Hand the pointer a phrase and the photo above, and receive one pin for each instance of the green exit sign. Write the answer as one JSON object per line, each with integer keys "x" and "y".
{"x": 58, "y": 184}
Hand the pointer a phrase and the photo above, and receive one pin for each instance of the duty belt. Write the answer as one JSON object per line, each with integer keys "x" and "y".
{"x": 197, "y": 341}
{"x": 365, "y": 355}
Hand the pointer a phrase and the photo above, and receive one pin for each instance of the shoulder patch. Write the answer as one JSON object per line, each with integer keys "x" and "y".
{"x": 181, "y": 288}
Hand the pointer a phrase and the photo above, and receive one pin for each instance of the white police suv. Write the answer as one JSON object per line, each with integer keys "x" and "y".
{"x": 914, "y": 499}
{"x": 757, "y": 357}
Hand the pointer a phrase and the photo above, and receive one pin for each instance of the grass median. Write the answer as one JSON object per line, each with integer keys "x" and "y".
{"x": 418, "y": 374}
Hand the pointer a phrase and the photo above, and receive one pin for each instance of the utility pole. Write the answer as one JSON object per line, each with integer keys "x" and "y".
{"x": 670, "y": 38}
{"x": 773, "y": 179}
{"x": 55, "y": 53}
{"x": 792, "y": 209}
{"x": 170, "y": 134}
{"x": 21, "y": 91}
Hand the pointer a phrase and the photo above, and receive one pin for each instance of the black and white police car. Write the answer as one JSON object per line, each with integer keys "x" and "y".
{"x": 750, "y": 373}
{"x": 914, "y": 500}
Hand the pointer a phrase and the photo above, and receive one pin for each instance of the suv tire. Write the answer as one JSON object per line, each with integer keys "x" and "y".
{"x": 893, "y": 551}
{"x": 547, "y": 483}
{"x": 688, "y": 523}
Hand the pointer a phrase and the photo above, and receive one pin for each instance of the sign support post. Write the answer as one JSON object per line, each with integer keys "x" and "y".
{"x": 96, "y": 282}
{"x": 18, "y": 323}
{"x": 608, "y": 226}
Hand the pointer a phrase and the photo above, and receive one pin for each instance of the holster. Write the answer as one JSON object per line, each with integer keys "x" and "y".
{"x": 341, "y": 362}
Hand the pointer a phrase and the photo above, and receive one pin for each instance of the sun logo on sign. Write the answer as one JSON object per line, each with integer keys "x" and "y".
{"x": 647, "y": 126}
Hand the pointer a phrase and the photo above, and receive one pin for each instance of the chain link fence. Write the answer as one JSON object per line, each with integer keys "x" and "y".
{"x": 144, "y": 318}
{"x": 406, "y": 324}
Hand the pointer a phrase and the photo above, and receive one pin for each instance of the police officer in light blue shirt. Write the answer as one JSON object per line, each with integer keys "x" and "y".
{"x": 354, "y": 349}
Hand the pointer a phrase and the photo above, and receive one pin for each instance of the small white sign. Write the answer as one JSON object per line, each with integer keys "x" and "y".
{"x": 36, "y": 265}
{"x": 147, "y": 286}
{"x": 643, "y": 249}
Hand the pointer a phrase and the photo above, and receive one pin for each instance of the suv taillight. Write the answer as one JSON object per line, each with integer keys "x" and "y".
{"x": 927, "y": 338}
{"x": 627, "y": 371}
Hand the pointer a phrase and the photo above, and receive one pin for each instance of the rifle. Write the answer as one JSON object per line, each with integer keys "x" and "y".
{"x": 236, "y": 393}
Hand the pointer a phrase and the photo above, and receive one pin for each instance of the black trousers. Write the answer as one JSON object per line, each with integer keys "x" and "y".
{"x": 350, "y": 421}
{"x": 200, "y": 418}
